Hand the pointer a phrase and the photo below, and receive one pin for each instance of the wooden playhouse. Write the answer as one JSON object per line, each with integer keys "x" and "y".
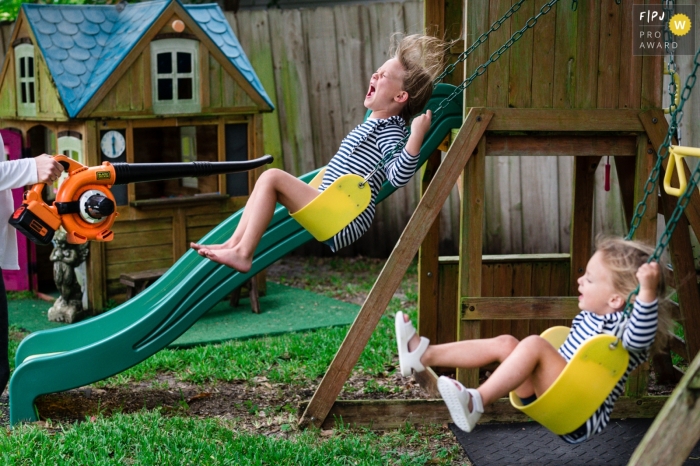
{"x": 149, "y": 82}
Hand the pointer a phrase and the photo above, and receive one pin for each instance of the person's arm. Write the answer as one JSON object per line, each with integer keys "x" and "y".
{"x": 23, "y": 172}
{"x": 402, "y": 165}
{"x": 641, "y": 330}
{"x": 419, "y": 127}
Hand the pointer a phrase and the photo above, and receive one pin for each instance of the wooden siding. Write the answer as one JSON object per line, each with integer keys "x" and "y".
{"x": 129, "y": 97}
{"x": 8, "y": 91}
{"x": 48, "y": 104}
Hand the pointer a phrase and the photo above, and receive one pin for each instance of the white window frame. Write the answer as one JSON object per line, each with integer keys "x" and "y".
{"x": 188, "y": 150}
{"x": 175, "y": 105}
{"x": 71, "y": 144}
{"x": 24, "y": 51}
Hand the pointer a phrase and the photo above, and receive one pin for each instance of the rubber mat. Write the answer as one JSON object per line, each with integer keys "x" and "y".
{"x": 531, "y": 444}
{"x": 284, "y": 309}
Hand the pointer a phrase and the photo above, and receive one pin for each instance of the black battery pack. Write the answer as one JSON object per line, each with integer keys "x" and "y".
{"x": 32, "y": 226}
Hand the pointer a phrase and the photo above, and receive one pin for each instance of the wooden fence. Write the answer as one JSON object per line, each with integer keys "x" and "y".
{"x": 315, "y": 64}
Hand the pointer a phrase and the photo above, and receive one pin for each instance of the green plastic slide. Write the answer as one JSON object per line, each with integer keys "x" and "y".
{"x": 72, "y": 356}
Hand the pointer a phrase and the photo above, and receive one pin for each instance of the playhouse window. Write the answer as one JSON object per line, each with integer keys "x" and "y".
{"x": 175, "y": 80}
{"x": 26, "y": 82}
{"x": 173, "y": 144}
{"x": 70, "y": 144}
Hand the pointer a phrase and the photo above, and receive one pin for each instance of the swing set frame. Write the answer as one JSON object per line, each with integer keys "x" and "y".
{"x": 453, "y": 303}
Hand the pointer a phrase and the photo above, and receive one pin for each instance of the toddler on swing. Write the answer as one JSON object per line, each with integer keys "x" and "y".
{"x": 398, "y": 90}
{"x": 530, "y": 366}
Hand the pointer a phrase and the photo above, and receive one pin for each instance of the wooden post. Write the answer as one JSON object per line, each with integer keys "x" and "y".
{"x": 428, "y": 264}
{"x": 681, "y": 254}
{"x": 470, "y": 249}
{"x": 646, "y": 158}
{"x": 676, "y": 430}
{"x": 390, "y": 277}
{"x": 646, "y": 231}
{"x": 582, "y": 217}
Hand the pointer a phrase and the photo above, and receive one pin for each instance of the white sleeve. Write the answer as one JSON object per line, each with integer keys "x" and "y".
{"x": 17, "y": 173}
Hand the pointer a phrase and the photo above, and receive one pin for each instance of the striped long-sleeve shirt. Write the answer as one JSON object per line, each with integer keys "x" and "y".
{"x": 637, "y": 334}
{"x": 359, "y": 153}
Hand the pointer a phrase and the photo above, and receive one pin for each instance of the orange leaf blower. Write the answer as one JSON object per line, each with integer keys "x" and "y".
{"x": 84, "y": 204}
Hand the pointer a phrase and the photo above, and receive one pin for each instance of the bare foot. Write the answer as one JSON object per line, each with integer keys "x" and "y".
{"x": 197, "y": 246}
{"x": 230, "y": 258}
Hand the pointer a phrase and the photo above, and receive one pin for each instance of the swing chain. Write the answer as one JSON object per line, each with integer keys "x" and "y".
{"x": 481, "y": 69}
{"x": 482, "y": 38}
{"x": 668, "y": 9}
{"x": 651, "y": 182}
{"x": 574, "y": 5}
{"x": 662, "y": 153}
{"x": 670, "y": 228}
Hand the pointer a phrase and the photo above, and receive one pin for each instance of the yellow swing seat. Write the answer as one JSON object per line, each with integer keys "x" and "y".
{"x": 584, "y": 384}
{"x": 337, "y": 206}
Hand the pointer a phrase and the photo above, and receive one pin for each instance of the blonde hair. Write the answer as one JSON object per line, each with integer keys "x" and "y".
{"x": 623, "y": 258}
{"x": 422, "y": 60}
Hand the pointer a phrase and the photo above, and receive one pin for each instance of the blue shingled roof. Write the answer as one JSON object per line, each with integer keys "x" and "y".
{"x": 83, "y": 44}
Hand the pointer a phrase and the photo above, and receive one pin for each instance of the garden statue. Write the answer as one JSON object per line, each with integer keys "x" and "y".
{"x": 66, "y": 258}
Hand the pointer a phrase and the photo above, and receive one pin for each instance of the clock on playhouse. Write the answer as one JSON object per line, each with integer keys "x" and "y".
{"x": 113, "y": 144}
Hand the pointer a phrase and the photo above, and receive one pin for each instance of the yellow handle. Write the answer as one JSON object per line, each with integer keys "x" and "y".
{"x": 675, "y": 160}
{"x": 677, "y": 79}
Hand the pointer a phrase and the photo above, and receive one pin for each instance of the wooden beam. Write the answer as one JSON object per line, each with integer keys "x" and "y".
{"x": 394, "y": 414}
{"x": 512, "y": 258}
{"x": 681, "y": 253}
{"x": 582, "y": 213}
{"x": 428, "y": 279}
{"x": 625, "y": 168}
{"x": 677, "y": 345}
{"x": 676, "y": 429}
{"x": 471, "y": 248}
{"x": 518, "y": 307}
{"x": 548, "y": 119}
{"x": 428, "y": 381}
{"x": 428, "y": 263}
{"x": 520, "y": 146}
{"x": 395, "y": 267}
{"x": 434, "y": 14}
{"x": 646, "y": 159}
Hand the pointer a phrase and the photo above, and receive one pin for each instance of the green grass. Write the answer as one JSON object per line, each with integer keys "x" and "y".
{"x": 151, "y": 438}
{"x": 677, "y": 360}
{"x": 293, "y": 358}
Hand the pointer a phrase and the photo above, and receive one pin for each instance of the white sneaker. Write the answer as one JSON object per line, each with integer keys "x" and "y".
{"x": 457, "y": 398}
{"x": 408, "y": 359}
